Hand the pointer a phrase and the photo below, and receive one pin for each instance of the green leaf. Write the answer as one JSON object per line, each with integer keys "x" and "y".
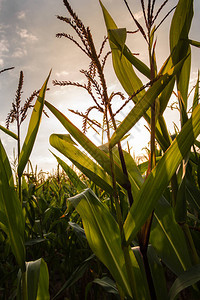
{"x": 103, "y": 235}
{"x": 134, "y": 174}
{"x": 32, "y": 129}
{"x": 12, "y": 134}
{"x": 142, "y": 106}
{"x": 108, "y": 285}
{"x": 118, "y": 45}
{"x": 11, "y": 210}
{"x": 160, "y": 176}
{"x": 179, "y": 30}
{"x": 32, "y": 275}
{"x": 82, "y": 162}
{"x": 194, "y": 43}
{"x": 168, "y": 239}
{"x": 101, "y": 157}
{"x": 181, "y": 205}
{"x": 184, "y": 280}
{"x": 79, "y": 185}
{"x": 43, "y": 284}
{"x": 76, "y": 275}
{"x": 123, "y": 68}
{"x": 196, "y": 94}
{"x": 118, "y": 38}
{"x": 157, "y": 272}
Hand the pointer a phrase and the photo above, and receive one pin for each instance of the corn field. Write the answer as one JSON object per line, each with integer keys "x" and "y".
{"x": 105, "y": 226}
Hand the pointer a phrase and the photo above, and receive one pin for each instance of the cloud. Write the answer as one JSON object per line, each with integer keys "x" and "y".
{"x": 24, "y": 34}
{"x": 3, "y": 27}
{"x": 138, "y": 15}
{"x": 19, "y": 52}
{"x": 21, "y": 15}
{"x": 1, "y": 62}
{"x": 4, "y": 47}
{"x": 62, "y": 73}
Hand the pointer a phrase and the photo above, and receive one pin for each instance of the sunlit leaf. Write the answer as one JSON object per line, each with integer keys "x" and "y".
{"x": 160, "y": 176}
{"x": 12, "y": 134}
{"x": 82, "y": 162}
{"x": 101, "y": 157}
{"x": 123, "y": 68}
{"x": 179, "y": 30}
{"x": 32, "y": 129}
{"x": 168, "y": 239}
{"x": 196, "y": 94}
{"x": 103, "y": 236}
{"x": 142, "y": 106}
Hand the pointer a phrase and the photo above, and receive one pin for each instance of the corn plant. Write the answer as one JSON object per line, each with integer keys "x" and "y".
{"x": 148, "y": 220}
{"x": 33, "y": 275}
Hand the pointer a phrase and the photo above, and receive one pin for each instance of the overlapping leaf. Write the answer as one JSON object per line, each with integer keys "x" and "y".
{"x": 11, "y": 210}
{"x": 80, "y": 185}
{"x": 82, "y": 161}
{"x": 103, "y": 236}
{"x": 160, "y": 176}
{"x": 142, "y": 106}
{"x": 101, "y": 157}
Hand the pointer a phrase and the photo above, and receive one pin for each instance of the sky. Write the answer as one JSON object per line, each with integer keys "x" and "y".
{"x": 28, "y": 42}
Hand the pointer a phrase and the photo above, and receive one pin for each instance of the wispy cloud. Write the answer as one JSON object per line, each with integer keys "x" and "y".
{"x": 19, "y": 52}
{"x": 62, "y": 73}
{"x": 4, "y": 47}
{"x": 21, "y": 15}
{"x": 138, "y": 15}
{"x": 24, "y": 34}
{"x": 3, "y": 28}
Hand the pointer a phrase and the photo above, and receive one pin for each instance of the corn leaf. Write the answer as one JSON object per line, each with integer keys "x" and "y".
{"x": 123, "y": 68}
{"x": 101, "y": 157}
{"x": 194, "y": 43}
{"x": 11, "y": 211}
{"x": 196, "y": 94}
{"x": 134, "y": 174}
{"x": 82, "y": 162}
{"x": 32, "y": 129}
{"x": 12, "y": 134}
{"x": 80, "y": 185}
{"x": 179, "y": 30}
{"x": 76, "y": 275}
{"x": 142, "y": 106}
{"x": 160, "y": 176}
{"x": 32, "y": 275}
{"x": 43, "y": 284}
{"x": 168, "y": 239}
{"x": 118, "y": 38}
{"x": 103, "y": 235}
{"x": 184, "y": 280}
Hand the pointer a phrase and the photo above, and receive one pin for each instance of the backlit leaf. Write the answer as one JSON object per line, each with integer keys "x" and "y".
{"x": 32, "y": 129}
{"x": 160, "y": 176}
